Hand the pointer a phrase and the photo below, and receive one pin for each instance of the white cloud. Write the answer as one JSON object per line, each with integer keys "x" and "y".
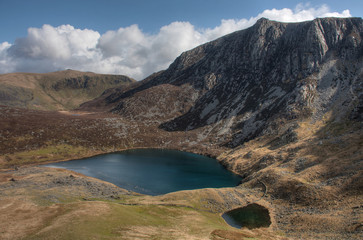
{"x": 127, "y": 50}
{"x": 301, "y": 13}
{"x": 122, "y": 41}
{"x": 5, "y": 65}
{"x": 4, "y": 46}
{"x": 61, "y": 42}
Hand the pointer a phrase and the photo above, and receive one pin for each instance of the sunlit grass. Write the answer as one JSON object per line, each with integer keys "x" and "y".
{"x": 123, "y": 222}
{"x": 45, "y": 154}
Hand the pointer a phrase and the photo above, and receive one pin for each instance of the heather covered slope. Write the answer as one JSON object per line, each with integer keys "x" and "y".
{"x": 63, "y": 90}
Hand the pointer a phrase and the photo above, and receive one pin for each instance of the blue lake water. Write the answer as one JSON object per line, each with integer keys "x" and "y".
{"x": 154, "y": 171}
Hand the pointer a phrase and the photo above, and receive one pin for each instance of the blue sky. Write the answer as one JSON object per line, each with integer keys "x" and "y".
{"x": 133, "y": 37}
{"x": 16, "y": 16}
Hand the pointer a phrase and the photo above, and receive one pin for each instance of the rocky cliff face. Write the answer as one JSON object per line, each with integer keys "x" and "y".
{"x": 247, "y": 83}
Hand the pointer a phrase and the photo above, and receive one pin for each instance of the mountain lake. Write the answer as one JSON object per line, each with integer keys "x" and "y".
{"x": 154, "y": 171}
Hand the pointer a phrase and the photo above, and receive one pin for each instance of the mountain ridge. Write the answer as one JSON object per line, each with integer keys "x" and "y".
{"x": 62, "y": 90}
{"x": 281, "y": 66}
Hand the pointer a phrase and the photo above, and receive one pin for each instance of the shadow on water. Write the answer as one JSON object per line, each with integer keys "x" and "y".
{"x": 251, "y": 216}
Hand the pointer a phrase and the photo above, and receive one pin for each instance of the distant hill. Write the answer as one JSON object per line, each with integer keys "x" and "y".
{"x": 62, "y": 90}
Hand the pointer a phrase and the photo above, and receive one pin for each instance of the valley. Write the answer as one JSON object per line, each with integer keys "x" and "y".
{"x": 278, "y": 103}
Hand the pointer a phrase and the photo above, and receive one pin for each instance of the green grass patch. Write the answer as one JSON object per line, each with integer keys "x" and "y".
{"x": 145, "y": 221}
{"x": 45, "y": 154}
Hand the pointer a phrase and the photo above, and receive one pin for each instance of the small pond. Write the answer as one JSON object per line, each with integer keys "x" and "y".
{"x": 154, "y": 171}
{"x": 251, "y": 216}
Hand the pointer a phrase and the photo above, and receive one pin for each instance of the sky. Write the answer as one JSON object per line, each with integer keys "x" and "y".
{"x": 133, "y": 37}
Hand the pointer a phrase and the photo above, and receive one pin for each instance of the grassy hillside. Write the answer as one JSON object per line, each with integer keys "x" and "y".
{"x": 311, "y": 185}
{"x": 65, "y": 205}
{"x": 63, "y": 90}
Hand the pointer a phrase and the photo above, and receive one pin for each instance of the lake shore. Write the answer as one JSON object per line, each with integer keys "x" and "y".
{"x": 303, "y": 195}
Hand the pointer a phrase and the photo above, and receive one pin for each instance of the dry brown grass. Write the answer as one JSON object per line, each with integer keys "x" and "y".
{"x": 314, "y": 180}
{"x": 55, "y": 91}
{"x": 23, "y": 217}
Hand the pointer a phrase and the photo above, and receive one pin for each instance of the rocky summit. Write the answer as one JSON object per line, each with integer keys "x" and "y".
{"x": 280, "y": 104}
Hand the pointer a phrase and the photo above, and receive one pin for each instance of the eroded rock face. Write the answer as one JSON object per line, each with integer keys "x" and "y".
{"x": 241, "y": 83}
